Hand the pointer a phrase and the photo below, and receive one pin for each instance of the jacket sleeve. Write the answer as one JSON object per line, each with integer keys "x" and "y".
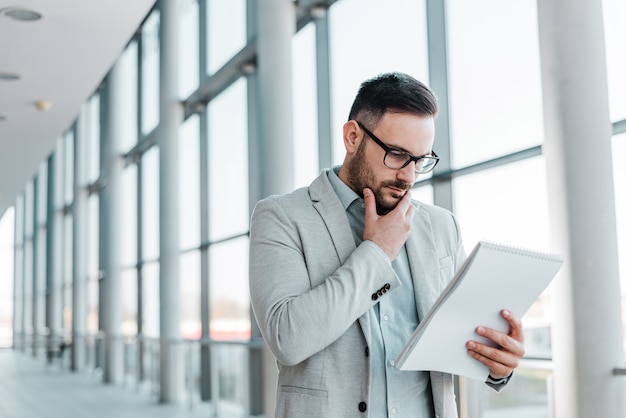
{"x": 296, "y": 318}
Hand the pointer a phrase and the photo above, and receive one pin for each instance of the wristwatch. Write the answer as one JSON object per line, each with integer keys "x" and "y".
{"x": 499, "y": 381}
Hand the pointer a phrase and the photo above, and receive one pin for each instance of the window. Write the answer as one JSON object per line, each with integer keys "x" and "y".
{"x": 305, "y": 107}
{"x": 226, "y": 31}
{"x": 7, "y": 242}
{"x": 150, "y": 205}
{"x": 228, "y": 162}
{"x": 494, "y": 87}
{"x": 230, "y": 297}
{"x": 150, "y": 53}
{"x": 189, "y": 183}
{"x": 387, "y": 36}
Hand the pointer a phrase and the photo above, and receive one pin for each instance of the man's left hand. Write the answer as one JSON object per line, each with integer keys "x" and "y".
{"x": 506, "y": 355}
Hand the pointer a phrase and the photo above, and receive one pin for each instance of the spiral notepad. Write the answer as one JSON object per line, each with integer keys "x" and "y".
{"x": 494, "y": 277}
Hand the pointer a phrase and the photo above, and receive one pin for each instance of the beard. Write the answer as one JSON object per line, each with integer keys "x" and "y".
{"x": 360, "y": 176}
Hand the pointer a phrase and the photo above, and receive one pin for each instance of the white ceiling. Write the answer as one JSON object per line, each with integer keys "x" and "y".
{"x": 61, "y": 58}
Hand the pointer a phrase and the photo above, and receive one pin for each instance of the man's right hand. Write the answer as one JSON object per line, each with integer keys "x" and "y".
{"x": 389, "y": 231}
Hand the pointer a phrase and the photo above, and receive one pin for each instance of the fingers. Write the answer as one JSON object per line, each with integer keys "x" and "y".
{"x": 515, "y": 325}
{"x": 370, "y": 203}
{"x": 389, "y": 231}
{"x": 405, "y": 206}
{"x": 508, "y": 351}
{"x": 500, "y": 363}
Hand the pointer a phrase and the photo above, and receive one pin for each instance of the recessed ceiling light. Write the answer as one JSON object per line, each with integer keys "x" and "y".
{"x": 43, "y": 105}
{"x": 6, "y": 76}
{"x": 20, "y": 13}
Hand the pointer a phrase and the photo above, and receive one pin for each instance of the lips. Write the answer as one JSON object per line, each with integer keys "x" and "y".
{"x": 397, "y": 192}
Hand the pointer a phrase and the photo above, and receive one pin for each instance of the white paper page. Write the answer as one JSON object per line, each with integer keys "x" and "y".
{"x": 499, "y": 277}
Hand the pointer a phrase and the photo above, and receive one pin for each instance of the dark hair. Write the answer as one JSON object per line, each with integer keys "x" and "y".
{"x": 392, "y": 92}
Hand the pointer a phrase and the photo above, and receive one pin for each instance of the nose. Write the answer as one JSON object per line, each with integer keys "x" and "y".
{"x": 407, "y": 174}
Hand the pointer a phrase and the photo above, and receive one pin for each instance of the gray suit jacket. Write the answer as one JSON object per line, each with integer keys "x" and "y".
{"x": 311, "y": 289}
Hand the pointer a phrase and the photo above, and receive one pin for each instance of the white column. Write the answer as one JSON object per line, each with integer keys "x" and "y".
{"x": 55, "y": 287}
{"x": 111, "y": 234}
{"x": 276, "y": 25}
{"x": 79, "y": 256}
{"x": 18, "y": 276}
{"x": 587, "y": 329}
{"x": 171, "y": 117}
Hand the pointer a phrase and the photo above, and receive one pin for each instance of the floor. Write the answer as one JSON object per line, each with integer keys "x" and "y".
{"x": 30, "y": 388}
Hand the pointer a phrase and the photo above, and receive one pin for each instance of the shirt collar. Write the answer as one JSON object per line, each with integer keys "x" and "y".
{"x": 344, "y": 192}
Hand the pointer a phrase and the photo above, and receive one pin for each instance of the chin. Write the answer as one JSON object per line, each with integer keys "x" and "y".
{"x": 383, "y": 208}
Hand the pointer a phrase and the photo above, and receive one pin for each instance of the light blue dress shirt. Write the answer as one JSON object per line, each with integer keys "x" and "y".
{"x": 393, "y": 393}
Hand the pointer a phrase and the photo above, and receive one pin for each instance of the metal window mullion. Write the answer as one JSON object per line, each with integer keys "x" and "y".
{"x": 324, "y": 103}
{"x": 255, "y": 363}
{"x": 50, "y": 240}
{"x": 34, "y": 264}
{"x": 205, "y": 289}
{"x": 619, "y": 127}
{"x": 438, "y": 74}
{"x": 138, "y": 158}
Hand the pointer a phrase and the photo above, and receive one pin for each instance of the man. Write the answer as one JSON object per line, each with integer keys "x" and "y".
{"x": 342, "y": 271}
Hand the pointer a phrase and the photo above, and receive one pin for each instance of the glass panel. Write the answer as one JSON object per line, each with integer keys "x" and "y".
{"x": 68, "y": 270}
{"x": 305, "y": 107}
{"x": 129, "y": 302}
{"x": 29, "y": 207}
{"x": 189, "y": 186}
{"x": 230, "y": 296}
{"x": 619, "y": 178}
{"x": 93, "y": 237}
{"x": 40, "y": 280}
{"x": 228, "y": 162}
{"x": 150, "y": 205}
{"x": 93, "y": 290}
{"x": 150, "y": 300}
{"x": 59, "y": 161}
{"x": 190, "y": 322}
{"x": 150, "y": 53}
{"x": 387, "y": 36}
{"x": 19, "y": 220}
{"x": 128, "y": 218}
{"x": 226, "y": 31}
{"x": 423, "y": 194}
{"x": 28, "y": 287}
{"x": 615, "y": 33}
{"x": 7, "y": 228}
{"x": 42, "y": 193}
{"x": 526, "y": 396}
{"x": 67, "y": 308}
{"x": 18, "y": 270}
{"x": 68, "y": 167}
{"x": 500, "y": 73}
{"x": 231, "y": 364}
{"x": 18, "y": 301}
{"x": 128, "y": 90}
{"x": 92, "y": 262}
{"x": 508, "y": 204}
{"x": 93, "y": 138}
{"x": 188, "y": 48}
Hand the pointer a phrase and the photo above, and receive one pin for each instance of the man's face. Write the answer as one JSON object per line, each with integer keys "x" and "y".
{"x": 364, "y": 162}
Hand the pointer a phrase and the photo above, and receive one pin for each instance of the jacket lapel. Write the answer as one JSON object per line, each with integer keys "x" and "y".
{"x": 423, "y": 262}
{"x": 330, "y": 209}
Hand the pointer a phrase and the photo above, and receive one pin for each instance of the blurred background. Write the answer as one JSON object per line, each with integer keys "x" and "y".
{"x": 126, "y": 193}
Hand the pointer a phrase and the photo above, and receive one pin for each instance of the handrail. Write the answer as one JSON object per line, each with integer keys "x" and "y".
{"x": 619, "y": 371}
{"x": 91, "y": 345}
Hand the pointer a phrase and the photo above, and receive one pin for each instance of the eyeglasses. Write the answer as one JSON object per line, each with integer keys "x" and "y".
{"x": 397, "y": 159}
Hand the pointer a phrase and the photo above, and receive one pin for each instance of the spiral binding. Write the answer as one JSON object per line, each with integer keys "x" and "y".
{"x": 519, "y": 250}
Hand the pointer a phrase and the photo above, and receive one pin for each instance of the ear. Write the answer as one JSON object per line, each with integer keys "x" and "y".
{"x": 352, "y": 136}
